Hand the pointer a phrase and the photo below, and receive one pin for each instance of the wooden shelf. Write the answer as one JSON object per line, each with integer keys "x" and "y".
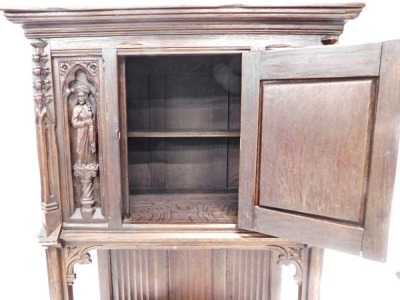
{"x": 184, "y": 208}
{"x": 182, "y": 134}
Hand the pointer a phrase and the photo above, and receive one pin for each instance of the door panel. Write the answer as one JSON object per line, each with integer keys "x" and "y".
{"x": 314, "y": 146}
{"x": 319, "y": 145}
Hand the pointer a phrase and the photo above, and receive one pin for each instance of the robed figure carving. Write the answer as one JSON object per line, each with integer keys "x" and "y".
{"x": 86, "y": 167}
{"x": 83, "y": 119}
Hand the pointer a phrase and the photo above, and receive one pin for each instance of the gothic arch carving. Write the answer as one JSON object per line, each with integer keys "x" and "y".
{"x": 80, "y": 93}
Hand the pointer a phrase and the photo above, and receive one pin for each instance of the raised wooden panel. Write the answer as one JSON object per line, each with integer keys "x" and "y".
{"x": 317, "y": 164}
{"x": 315, "y": 146}
{"x": 194, "y": 274}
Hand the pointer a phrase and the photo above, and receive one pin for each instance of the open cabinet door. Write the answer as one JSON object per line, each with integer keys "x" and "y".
{"x": 319, "y": 143}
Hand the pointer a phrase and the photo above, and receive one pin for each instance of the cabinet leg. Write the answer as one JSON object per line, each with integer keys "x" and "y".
{"x": 312, "y": 274}
{"x": 56, "y": 270}
{"x": 105, "y": 279}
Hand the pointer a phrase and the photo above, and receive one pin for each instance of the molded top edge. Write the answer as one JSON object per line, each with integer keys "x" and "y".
{"x": 16, "y": 9}
{"x": 310, "y": 19}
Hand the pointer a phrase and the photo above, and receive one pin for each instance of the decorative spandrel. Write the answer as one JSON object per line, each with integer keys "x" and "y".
{"x": 80, "y": 91}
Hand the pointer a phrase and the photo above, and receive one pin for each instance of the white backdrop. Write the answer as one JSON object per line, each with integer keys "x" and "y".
{"x": 23, "y": 264}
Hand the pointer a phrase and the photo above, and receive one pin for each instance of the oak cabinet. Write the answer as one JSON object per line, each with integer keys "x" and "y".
{"x": 197, "y": 149}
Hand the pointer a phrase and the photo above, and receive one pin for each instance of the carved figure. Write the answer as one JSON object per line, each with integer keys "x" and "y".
{"x": 83, "y": 120}
{"x": 86, "y": 168}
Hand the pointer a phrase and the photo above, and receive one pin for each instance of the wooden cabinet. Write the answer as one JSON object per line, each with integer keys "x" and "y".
{"x": 197, "y": 149}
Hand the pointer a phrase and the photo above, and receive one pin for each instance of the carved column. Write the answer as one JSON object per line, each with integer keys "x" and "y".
{"x": 86, "y": 173}
{"x": 45, "y": 129}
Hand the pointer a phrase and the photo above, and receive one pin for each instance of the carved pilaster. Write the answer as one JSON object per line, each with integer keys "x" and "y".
{"x": 45, "y": 121}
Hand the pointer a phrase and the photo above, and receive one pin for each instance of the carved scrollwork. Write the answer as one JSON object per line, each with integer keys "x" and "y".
{"x": 291, "y": 256}
{"x": 41, "y": 71}
{"x": 74, "y": 255}
{"x": 41, "y": 84}
{"x": 91, "y": 66}
{"x": 40, "y": 57}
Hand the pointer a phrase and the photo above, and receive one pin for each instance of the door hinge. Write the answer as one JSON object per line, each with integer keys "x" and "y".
{"x": 117, "y": 135}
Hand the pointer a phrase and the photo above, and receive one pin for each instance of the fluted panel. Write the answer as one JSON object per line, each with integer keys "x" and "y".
{"x": 193, "y": 274}
{"x": 197, "y": 274}
{"x": 139, "y": 274}
{"x": 248, "y": 274}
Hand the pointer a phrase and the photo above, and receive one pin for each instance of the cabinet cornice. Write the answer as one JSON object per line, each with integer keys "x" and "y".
{"x": 216, "y": 20}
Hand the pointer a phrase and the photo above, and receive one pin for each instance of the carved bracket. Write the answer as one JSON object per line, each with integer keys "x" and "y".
{"x": 291, "y": 256}
{"x": 75, "y": 255}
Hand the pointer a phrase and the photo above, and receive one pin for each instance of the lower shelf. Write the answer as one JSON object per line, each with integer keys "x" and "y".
{"x": 184, "y": 208}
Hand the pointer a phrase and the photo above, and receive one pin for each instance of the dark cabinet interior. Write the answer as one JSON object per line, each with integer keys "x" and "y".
{"x": 183, "y": 130}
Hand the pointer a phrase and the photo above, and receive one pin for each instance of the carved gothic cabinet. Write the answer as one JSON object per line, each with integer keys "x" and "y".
{"x": 197, "y": 149}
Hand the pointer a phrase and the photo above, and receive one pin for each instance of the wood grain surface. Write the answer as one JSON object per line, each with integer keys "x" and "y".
{"x": 184, "y": 208}
{"x": 383, "y": 155}
{"x": 231, "y": 19}
{"x": 315, "y": 145}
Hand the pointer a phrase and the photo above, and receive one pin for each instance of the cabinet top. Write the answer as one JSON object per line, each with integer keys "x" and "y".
{"x": 315, "y": 19}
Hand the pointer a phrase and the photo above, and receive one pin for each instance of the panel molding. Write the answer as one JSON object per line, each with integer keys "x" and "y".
{"x": 323, "y": 232}
{"x": 337, "y": 131}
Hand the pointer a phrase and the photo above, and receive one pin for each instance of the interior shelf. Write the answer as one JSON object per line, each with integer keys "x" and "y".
{"x": 183, "y": 139}
{"x": 182, "y": 133}
{"x": 184, "y": 208}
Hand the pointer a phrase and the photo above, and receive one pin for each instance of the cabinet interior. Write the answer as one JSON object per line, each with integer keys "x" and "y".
{"x": 183, "y": 131}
